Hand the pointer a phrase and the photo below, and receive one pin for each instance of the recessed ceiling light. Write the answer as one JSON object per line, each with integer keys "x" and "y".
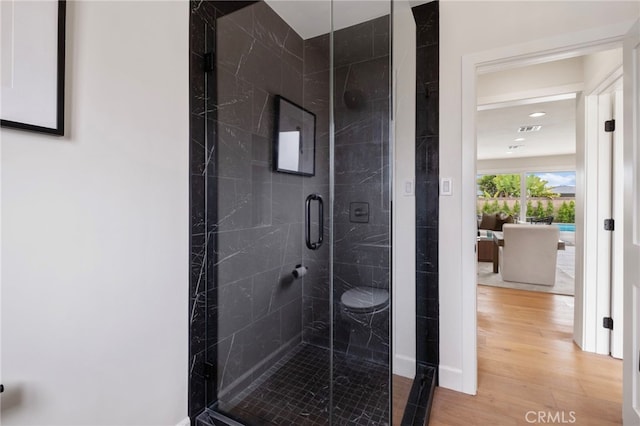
{"x": 518, "y": 139}
{"x": 509, "y": 152}
{"x": 537, "y": 114}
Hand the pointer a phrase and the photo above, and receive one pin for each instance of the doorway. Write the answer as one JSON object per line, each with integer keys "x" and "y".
{"x": 561, "y": 308}
{"x": 526, "y": 165}
{"x": 560, "y": 129}
{"x": 487, "y": 62}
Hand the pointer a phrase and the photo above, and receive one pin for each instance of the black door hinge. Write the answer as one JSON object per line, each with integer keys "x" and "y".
{"x": 209, "y": 370}
{"x": 607, "y": 322}
{"x": 609, "y": 224}
{"x": 610, "y": 125}
{"x": 208, "y": 62}
{"x": 1, "y": 388}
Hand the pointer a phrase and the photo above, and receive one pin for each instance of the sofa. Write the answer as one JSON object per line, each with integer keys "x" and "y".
{"x": 529, "y": 254}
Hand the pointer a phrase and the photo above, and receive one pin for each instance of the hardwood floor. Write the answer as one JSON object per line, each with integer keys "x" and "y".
{"x": 401, "y": 389}
{"x": 527, "y": 362}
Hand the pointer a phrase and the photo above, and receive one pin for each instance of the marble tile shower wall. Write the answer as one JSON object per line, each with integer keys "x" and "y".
{"x": 427, "y": 176}
{"x": 202, "y": 36}
{"x": 361, "y": 250}
{"x": 260, "y": 213}
{"x": 246, "y": 308}
{"x": 316, "y": 297}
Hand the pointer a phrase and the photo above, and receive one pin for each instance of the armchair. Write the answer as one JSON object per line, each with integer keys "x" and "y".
{"x": 529, "y": 254}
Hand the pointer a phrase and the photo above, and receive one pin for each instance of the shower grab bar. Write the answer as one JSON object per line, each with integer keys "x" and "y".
{"x": 315, "y": 245}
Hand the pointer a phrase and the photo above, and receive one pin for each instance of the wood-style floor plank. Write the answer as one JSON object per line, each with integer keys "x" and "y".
{"x": 401, "y": 389}
{"x": 527, "y": 361}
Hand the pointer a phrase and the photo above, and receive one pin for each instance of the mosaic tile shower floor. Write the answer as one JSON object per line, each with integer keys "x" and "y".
{"x": 295, "y": 391}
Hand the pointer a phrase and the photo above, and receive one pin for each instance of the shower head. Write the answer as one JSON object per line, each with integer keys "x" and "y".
{"x": 353, "y": 99}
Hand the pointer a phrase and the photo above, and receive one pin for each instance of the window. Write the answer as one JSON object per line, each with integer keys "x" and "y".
{"x": 545, "y": 195}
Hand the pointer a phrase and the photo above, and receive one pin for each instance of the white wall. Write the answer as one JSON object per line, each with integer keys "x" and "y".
{"x": 533, "y": 81}
{"x": 550, "y": 163}
{"x": 95, "y": 240}
{"x": 598, "y": 66}
{"x": 404, "y": 207}
{"x": 487, "y": 26}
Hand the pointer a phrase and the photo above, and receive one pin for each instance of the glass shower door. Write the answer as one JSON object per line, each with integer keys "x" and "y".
{"x": 361, "y": 214}
{"x": 271, "y": 265}
{"x": 296, "y": 119}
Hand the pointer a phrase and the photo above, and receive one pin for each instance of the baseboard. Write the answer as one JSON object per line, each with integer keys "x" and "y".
{"x": 450, "y": 378}
{"x": 404, "y": 366}
{"x": 184, "y": 422}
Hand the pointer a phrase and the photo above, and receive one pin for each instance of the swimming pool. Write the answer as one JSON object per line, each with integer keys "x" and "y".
{"x": 567, "y": 227}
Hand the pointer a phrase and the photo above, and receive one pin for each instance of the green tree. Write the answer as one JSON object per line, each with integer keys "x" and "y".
{"x": 495, "y": 207}
{"x": 572, "y": 211}
{"x": 549, "y": 211}
{"x": 562, "y": 212}
{"x": 529, "y": 208}
{"x": 539, "y": 211}
{"x": 487, "y": 186}
{"x": 516, "y": 208}
{"x": 539, "y": 188}
{"x": 507, "y": 185}
{"x": 486, "y": 207}
{"x": 505, "y": 208}
{"x": 567, "y": 212}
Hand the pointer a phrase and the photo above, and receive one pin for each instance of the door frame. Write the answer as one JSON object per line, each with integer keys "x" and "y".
{"x": 602, "y": 168}
{"x": 631, "y": 94}
{"x": 530, "y": 53}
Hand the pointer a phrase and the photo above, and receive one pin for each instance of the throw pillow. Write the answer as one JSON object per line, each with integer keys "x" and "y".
{"x": 488, "y": 221}
{"x": 501, "y": 219}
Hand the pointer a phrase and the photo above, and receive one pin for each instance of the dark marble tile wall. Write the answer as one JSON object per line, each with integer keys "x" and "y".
{"x": 246, "y": 220}
{"x": 361, "y": 250}
{"x": 316, "y": 304}
{"x": 201, "y": 153}
{"x": 260, "y": 213}
{"x": 427, "y": 175}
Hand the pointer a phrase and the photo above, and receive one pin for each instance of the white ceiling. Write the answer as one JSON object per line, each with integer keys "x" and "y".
{"x": 507, "y": 97}
{"x": 311, "y": 18}
{"x": 497, "y": 129}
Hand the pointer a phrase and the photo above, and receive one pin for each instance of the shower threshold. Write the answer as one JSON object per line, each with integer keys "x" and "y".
{"x": 295, "y": 391}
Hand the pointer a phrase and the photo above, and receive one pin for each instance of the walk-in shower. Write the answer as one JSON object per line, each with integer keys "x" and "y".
{"x": 290, "y": 201}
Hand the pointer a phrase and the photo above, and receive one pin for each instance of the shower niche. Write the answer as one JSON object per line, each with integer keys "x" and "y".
{"x": 283, "y": 331}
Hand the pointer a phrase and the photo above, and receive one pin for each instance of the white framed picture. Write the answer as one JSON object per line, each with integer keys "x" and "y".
{"x": 32, "y": 55}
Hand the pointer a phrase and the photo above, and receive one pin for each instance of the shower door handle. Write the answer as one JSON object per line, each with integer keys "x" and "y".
{"x": 315, "y": 245}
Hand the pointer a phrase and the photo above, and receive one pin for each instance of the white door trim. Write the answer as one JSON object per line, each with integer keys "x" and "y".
{"x": 595, "y": 205}
{"x": 617, "y": 285}
{"x": 534, "y": 52}
{"x": 631, "y": 375}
